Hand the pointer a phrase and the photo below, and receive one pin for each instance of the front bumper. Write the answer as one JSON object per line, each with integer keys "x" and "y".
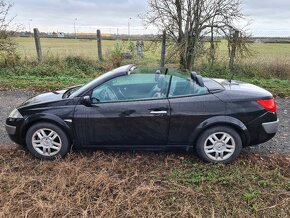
{"x": 11, "y": 130}
{"x": 271, "y": 127}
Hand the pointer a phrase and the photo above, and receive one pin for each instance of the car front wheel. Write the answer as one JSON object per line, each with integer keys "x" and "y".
{"x": 47, "y": 141}
{"x": 219, "y": 145}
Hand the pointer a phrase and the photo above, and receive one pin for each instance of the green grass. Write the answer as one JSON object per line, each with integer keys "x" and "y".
{"x": 88, "y": 48}
{"x": 37, "y": 83}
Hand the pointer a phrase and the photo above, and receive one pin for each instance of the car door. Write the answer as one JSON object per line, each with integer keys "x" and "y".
{"x": 117, "y": 119}
{"x": 190, "y": 105}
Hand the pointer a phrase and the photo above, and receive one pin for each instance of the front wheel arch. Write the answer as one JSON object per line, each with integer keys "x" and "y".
{"x": 31, "y": 122}
{"x": 57, "y": 146}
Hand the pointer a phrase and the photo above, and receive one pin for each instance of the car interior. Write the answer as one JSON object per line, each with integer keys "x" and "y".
{"x": 148, "y": 85}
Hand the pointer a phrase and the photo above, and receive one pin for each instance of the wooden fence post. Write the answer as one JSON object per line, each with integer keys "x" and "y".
{"x": 233, "y": 46}
{"x": 99, "y": 42}
{"x": 38, "y": 45}
{"x": 163, "y": 49}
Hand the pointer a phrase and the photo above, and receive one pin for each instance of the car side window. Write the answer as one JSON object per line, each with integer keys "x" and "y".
{"x": 185, "y": 87}
{"x": 132, "y": 87}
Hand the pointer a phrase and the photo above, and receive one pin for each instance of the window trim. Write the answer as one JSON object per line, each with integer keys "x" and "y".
{"x": 134, "y": 100}
{"x": 187, "y": 96}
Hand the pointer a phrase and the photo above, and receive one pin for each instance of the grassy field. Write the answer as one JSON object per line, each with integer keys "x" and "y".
{"x": 127, "y": 184}
{"x": 261, "y": 52}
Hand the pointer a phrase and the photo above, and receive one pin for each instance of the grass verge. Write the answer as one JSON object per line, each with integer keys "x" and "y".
{"x": 127, "y": 184}
{"x": 37, "y": 83}
{"x": 276, "y": 86}
{"x": 57, "y": 73}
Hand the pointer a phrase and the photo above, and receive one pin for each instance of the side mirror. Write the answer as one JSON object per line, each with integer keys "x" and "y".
{"x": 86, "y": 100}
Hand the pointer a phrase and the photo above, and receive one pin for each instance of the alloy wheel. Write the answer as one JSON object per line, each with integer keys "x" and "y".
{"x": 46, "y": 142}
{"x": 219, "y": 146}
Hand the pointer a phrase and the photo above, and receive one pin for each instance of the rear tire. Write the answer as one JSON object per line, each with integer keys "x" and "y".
{"x": 219, "y": 144}
{"x": 47, "y": 141}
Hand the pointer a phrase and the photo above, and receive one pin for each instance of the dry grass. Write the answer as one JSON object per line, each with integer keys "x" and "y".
{"x": 127, "y": 184}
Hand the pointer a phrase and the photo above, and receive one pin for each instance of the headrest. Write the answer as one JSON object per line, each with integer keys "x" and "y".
{"x": 161, "y": 81}
{"x": 157, "y": 74}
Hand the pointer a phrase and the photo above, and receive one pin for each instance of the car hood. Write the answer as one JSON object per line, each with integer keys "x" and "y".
{"x": 44, "y": 98}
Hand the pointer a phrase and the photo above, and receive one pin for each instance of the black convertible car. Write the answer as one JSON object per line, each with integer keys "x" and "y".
{"x": 147, "y": 108}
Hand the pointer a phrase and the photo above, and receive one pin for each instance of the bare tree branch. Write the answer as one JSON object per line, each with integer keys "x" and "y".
{"x": 188, "y": 21}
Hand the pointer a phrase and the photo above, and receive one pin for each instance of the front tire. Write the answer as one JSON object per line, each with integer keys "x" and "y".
{"x": 219, "y": 144}
{"x": 47, "y": 141}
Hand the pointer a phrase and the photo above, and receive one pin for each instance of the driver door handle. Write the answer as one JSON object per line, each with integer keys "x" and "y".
{"x": 158, "y": 112}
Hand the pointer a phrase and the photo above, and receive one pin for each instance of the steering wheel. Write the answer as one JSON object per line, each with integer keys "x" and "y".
{"x": 109, "y": 94}
{"x": 121, "y": 93}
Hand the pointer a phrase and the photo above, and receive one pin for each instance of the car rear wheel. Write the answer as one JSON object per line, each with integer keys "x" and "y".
{"x": 47, "y": 141}
{"x": 219, "y": 145}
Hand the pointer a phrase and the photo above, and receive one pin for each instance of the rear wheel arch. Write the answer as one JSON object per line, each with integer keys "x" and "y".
{"x": 226, "y": 121}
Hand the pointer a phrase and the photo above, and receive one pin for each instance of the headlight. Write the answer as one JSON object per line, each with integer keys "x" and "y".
{"x": 15, "y": 114}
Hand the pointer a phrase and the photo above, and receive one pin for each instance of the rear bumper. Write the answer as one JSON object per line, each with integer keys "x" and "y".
{"x": 271, "y": 127}
{"x": 263, "y": 128}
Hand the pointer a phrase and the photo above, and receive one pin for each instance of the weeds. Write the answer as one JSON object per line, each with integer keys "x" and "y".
{"x": 71, "y": 70}
{"x": 127, "y": 184}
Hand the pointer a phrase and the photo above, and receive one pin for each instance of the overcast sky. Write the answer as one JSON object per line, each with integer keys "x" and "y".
{"x": 267, "y": 17}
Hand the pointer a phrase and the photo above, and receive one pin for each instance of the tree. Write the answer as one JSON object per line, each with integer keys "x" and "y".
{"x": 187, "y": 21}
{"x": 7, "y": 45}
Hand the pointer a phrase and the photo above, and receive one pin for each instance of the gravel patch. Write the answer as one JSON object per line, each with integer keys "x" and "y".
{"x": 279, "y": 144}
{"x": 8, "y": 101}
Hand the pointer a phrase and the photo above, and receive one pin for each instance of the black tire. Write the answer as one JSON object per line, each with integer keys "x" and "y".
{"x": 204, "y": 143}
{"x": 61, "y": 137}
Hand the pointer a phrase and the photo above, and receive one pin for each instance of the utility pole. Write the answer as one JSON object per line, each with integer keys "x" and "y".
{"x": 129, "y": 37}
{"x": 75, "y": 27}
{"x": 29, "y": 25}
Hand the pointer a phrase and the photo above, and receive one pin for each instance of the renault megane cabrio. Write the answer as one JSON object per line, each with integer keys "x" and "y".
{"x": 147, "y": 108}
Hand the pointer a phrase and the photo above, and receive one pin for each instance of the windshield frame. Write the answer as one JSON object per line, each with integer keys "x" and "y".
{"x": 82, "y": 91}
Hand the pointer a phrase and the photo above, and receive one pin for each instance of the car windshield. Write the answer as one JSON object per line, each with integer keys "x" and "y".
{"x": 86, "y": 86}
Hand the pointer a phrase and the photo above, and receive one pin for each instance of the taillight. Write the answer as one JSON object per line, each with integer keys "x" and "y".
{"x": 269, "y": 105}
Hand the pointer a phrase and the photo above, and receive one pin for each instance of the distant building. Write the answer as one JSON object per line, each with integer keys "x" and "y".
{"x": 60, "y": 34}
